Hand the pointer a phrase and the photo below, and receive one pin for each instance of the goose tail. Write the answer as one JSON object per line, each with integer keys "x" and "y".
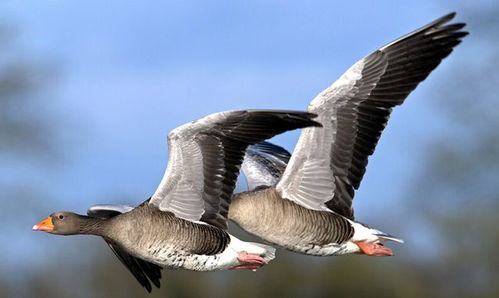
{"x": 384, "y": 236}
{"x": 266, "y": 251}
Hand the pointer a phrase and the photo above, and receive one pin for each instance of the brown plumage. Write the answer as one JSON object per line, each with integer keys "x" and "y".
{"x": 283, "y": 222}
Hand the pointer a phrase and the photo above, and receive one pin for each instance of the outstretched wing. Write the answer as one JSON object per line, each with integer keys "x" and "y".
{"x": 328, "y": 164}
{"x": 143, "y": 271}
{"x": 264, "y": 163}
{"x": 205, "y": 157}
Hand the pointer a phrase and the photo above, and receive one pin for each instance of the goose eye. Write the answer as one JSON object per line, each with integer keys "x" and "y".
{"x": 61, "y": 216}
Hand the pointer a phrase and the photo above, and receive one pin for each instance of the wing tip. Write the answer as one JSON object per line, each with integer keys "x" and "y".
{"x": 432, "y": 25}
{"x": 442, "y": 20}
{"x": 448, "y": 16}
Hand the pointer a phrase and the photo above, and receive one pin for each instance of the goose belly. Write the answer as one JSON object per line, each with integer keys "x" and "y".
{"x": 291, "y": 226}
{"x": 185, "y": 255}
{"x": 174, "y": 258}
{"x": 298, "y": 242}
{"x": 163, "y": 239}
{"x": 330, "y": 249}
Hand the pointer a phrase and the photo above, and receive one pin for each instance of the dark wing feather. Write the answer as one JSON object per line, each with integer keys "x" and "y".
{"x": 327, "y": 166}
{"x": 205, "y": 157}
{"x": 145, "y": 272}
{"x": 409, "y": 60}
{"x": 245, "y": 129}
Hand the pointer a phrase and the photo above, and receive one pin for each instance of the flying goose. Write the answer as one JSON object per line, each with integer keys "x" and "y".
{"x": 184, "y": 223}
{"x": 310, "y": 211}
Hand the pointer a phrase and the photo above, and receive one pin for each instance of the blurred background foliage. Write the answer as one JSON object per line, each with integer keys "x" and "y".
{"x": 452, "y": 204}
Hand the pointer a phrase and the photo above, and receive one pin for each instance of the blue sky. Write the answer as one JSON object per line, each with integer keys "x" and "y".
{"x": 130, "y": 72}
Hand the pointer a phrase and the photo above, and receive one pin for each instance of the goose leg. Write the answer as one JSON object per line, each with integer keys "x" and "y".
{"x": 374, "y": 249}
{"x": 249, "y": 261}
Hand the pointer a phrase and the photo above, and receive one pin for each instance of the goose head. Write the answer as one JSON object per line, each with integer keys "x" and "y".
{"x": 67, "y": 223}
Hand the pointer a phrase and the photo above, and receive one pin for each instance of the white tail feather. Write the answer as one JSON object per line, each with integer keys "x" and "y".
{"x": 384, "y": 236}
{"x": 269, "y": 253}
{"x": 365, "y": 233}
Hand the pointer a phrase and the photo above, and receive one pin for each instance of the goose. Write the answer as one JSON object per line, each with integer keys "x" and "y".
{"x": 183, "y": 225}
{"x": 307, "y": 207}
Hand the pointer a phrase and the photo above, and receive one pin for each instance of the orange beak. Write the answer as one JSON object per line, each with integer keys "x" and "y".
{"x": 45, "y": 225}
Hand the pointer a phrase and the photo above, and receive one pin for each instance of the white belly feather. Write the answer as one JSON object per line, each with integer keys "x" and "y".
{"x": 177, "y": 259}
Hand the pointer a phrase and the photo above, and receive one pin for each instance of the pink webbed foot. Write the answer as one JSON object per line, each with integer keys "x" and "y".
{"x": 374, "y": 249}
{"x": 249, "y": 261}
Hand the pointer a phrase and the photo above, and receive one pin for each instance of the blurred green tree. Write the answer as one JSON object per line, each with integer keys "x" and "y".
{"x": 26, "y": 137}
{"x": 460, "y": 198}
